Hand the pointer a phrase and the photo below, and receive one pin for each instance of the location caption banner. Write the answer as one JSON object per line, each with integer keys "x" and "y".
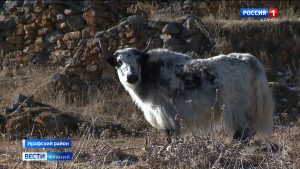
{"x": 45, "y": 143}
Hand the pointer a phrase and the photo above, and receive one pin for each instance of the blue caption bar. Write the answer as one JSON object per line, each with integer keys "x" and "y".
{"x": 63, "y": 156}
{"x": 35, "y": 143}
{"x": 254, "y": 12}
{"x": 49, "y": 156}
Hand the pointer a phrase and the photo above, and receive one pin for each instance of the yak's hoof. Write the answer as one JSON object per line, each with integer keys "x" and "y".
{"x": 242, "y": 135}
{"x": 171, "y": 135}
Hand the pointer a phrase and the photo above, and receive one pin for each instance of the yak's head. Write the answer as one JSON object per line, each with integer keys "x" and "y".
{"x": 128, "y": 63}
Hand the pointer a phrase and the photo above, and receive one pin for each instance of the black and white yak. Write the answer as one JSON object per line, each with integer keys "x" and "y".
{"x": 166, "y": 85}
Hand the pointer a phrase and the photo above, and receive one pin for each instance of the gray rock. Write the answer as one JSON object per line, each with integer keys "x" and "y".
{"x": 43, "y": 31}
{"x": 98, "y": 34}
{"x": 38, "y": 6}
{"x": 28, "y": 39}
{"x": 63, "y": 27}
{"x": 76, "y": 22}
{"x": 60, "y": 17}
{"x": 71, "y": 44}
{"x": 137, "y": 21}
{"x": 8, "y": 23}
{"x": 171, "y": 42}
{"x": 4, "y": 15}
{"x": 185, "y": 33}
{"x": 62, "y": 54}
{"x": 78, "y": 52}
{"x": 171, "y": 29}
{"x": 70, "y": 61}
{"x": 27, "y": 9}
{"x": 85, "y": 33}
{"x": 33, "y": 49}
{"x": 38, "y": 9}
{"x": 73, "y": 11}
{"x": 27, "y": 17}
{"x": 112, "y": 6}
{"x": 194, "y": 42}
{"x": 20, "y": 98}
{"x": 28, "y": 3}
{"x": 41, "y": 57}
{"x": 53, "y": 37}
{"x": 155, "y": 25}
{"x": 192, "y": 24}
{"x": 195, "y": 39}
{"x": 187, "y": 5}
{"x": 10, "y": 5}
{"x": 113, "y": 32}
{"x": 20, "y": 19}
{"x": 68, "y": 12}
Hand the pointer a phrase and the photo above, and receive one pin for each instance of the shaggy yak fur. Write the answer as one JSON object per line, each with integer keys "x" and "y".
{"x": 166, "y": 85}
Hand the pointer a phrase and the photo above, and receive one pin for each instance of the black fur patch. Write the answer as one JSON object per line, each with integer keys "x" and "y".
{"x": 143, "y": 59}
{"x": 112, "y": 61}
{"x": 190, "y": 80}
{"x": 151, "y": 73}
{"x": 210, "y": 76}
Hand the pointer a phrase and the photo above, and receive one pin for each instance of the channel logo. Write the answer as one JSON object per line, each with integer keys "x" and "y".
{"x": 61, "y": 156}
{"x": 47, "y": 156}
{"x": 259, "y": 12}
{"x": 34, "y": 156}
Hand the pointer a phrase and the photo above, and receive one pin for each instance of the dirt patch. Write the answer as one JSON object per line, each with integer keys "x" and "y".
{"x": 26, "y": 118}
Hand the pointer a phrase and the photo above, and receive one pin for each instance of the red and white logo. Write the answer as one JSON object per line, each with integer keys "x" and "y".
{"x": 273, "y": 12}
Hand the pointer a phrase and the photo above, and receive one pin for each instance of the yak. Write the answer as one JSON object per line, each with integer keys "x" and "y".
{"x": 168, "y": 86}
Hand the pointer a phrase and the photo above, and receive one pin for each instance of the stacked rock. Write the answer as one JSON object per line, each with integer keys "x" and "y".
{"x": 100, "y": 15}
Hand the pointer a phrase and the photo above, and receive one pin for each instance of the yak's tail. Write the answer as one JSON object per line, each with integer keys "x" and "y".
{"x": 264, "y": 107}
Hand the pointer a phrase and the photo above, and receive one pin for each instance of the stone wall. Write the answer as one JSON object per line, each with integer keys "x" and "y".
{"x": 66, "y": 33}
{"x": 48, "y": 31}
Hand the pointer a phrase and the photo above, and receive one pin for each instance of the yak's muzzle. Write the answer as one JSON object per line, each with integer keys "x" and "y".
{"x": 132, "y": 79}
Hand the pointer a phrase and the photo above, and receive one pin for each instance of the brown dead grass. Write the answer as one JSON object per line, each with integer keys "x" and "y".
{"x": 213, "y": 149}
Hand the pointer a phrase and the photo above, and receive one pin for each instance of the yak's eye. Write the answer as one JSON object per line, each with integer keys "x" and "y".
{"x": 119, "y": 62}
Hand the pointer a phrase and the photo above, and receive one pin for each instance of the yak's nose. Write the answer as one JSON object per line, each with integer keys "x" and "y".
{"x": 132, "y": 79}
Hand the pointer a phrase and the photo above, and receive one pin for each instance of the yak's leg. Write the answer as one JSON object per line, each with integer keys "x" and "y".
{"x": 238, "y": 121}
{"x": 171, "y": 134}
{"x": 242, "y": 134}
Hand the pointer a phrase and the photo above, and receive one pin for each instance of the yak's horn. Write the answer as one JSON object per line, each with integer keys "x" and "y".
{"x": 104, "y": 52}
{"x": 148, "y": 46}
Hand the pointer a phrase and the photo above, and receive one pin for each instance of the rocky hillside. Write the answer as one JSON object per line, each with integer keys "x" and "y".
{"x": 67, "y": 32}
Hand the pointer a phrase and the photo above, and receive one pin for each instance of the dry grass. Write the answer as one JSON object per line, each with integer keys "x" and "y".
{"x": 221, "y": 10}
{"x": 213, "y": 149}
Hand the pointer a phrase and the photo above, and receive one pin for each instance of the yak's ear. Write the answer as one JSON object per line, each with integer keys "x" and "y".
{"x": 111, "y": 61}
